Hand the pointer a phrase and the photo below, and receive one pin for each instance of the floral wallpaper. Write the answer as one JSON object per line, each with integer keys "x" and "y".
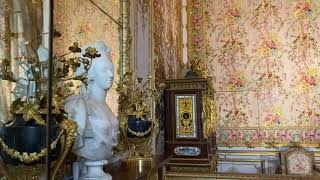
{"x": 80, "y": 21}
{"x": 263, "y": 56}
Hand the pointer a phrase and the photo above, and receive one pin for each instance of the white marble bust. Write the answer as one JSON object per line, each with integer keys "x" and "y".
{"x": 97, "y": 125}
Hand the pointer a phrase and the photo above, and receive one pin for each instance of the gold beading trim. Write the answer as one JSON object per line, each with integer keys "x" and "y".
{"x": 24, "y": 156}
{"x": 135, "y": 38}
{"x": 140, "y": 134}
{"x": 67, "y": 136}
{"x": 181, "y": 84}
{"x": 189, "y": 169}
{"x": 138, "y": 147}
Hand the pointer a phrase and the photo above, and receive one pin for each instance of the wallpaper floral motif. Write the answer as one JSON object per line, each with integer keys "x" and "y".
{"x": 80, "y": 21}
{"x": 263, "y": 56}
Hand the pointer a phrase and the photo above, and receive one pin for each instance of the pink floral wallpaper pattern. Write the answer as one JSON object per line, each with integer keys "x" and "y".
{"x": 263, "y": 56}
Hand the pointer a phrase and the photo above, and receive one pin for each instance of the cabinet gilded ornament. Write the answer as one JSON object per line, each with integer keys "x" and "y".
{"x": 189, "y": 122}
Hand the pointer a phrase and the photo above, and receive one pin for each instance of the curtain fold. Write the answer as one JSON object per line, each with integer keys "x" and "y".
{"x": 4, "y": 54}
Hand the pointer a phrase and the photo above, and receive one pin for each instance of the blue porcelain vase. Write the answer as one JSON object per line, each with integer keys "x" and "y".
{"x": 138, "y": 128}
{"x": 28, "y": 137}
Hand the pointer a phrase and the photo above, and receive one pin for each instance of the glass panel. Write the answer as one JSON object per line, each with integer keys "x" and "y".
{"x": 24, "y": 72}
{"x": 24, "y": 54}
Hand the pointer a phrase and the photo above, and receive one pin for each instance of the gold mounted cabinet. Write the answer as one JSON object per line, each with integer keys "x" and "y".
{"x": 190, "y": 119}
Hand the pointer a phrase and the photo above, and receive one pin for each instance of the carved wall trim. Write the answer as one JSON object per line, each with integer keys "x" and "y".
{"x": 187, "y": 84}
{"x": 125, "y": 46}
{"x": 125, "y": 38}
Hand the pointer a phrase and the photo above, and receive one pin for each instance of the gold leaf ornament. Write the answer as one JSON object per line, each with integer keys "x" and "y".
{"x": 31, "y": 111}
{"x": 91, "y": 53}
{"x": 75, "y": 48}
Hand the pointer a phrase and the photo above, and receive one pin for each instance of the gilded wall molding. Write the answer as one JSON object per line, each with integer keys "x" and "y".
{"x": 125, "y": 38}
{"x": 125, "y": 47}
{"x": 134, "y": 16}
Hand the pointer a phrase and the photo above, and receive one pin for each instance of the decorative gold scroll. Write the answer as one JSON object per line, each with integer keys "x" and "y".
{"x": 209, "y": 110}
{"x": 209, "y": 114}
{"x": 186, "y": 116}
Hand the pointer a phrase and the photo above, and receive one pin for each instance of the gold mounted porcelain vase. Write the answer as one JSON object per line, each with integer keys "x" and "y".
{"x": 23, "y": 154}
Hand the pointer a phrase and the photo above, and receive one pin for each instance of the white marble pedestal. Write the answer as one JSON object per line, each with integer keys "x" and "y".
{"x": 95, "y": 171}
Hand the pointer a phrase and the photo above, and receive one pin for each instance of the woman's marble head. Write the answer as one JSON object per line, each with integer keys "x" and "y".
{"x": 100, "y": 74}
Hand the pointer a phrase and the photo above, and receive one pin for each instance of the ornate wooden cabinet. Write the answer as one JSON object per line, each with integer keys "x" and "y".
{"x": 189, "y": 122}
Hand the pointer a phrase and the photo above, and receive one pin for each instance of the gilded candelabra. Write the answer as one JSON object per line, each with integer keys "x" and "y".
{"x": 137, "y": 125}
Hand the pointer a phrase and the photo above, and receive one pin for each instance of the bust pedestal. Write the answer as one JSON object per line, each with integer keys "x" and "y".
{"x": 95, "y": 171}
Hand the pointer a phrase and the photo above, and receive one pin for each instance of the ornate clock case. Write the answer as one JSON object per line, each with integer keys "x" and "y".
{"x": 188, "y": 136}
